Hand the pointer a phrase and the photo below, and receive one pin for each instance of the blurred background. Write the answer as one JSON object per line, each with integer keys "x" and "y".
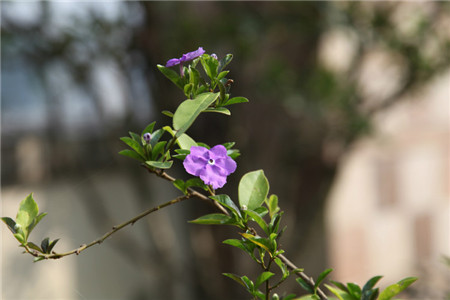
{"x": 348, "y": 116}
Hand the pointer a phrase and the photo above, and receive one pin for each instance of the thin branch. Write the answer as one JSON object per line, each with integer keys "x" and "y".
{"x": 114, "y": 229}
{"x": 303, "y": 276}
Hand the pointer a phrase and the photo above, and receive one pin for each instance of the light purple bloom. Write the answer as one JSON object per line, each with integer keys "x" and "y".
{"x": 214, "y": 56}
{"x": 212, "y": 166}
{"x": 186, "y": 57}
{"x": 147, "y": 137}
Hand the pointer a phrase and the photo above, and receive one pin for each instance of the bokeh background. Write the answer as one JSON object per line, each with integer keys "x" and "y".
{"x": 348, "y": 116}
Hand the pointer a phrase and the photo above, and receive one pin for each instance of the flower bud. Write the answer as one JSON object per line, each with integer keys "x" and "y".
{"x": 147, "y": 137}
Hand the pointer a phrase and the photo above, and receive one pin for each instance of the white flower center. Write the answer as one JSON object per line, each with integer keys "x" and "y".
{"x": 211, "y": 162}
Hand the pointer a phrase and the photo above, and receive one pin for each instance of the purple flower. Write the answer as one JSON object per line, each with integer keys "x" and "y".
{"x": 214, "y": 56}
{"x": 186, "y": 57}
{"x": 212, "y": 166}
{"x": 147, "y": 137}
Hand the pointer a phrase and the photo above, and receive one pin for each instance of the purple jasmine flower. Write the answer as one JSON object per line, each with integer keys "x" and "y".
{"x": 214, "y": 56}
{"x": 147, "y": 137}
{"x": 186, "y": 57}
{"x": 212, "y": 166}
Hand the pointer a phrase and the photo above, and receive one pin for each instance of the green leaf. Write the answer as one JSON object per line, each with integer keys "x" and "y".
{"x": 210, "y": 65}
{"x": 222, "y": 74}
{"x": 221, "y": 110}
{"x": 340, "y": 285}
{"x": 213, "y": 219}
{"x": 132, "y": 154}
{"x": 304, "y": 285}
{"x": 396, "y": 288}
{"x": 371, "y": 283}
{"x": 25, "y": 219}
{"x": 171, "y": 75}
{"x": 235, "y": 278}
{"x": 20, "y": 237}
{"x": 197, "y": 182}
{"x": 225, "y": 61}
{"x": 257, "y": 218}
{"x": 159, "y": 164}
{"x": 263, "y": 277}
{"x": 235, "y": 100}
{"x": 272, "y": 204}
{"x": 34, "y": 246}
{"x": 181, "y": 185}
{"x": 10, "y": 223}
{"x": 158, "y": 149}
{"x": 136, "y": 146}
{"x": 227, "y": 202}
{"x": 36, "y": 220}
{"x": 135, "y": 136}
{"x": 261, "y": 242}
{"x": 253, "y": 189}
{"x": 51, "y": 245}
{"x": 321, "y": 277}
{"x": 184, "y": 141}
{"x": 354, "y": 290}
{"x": 340, "y": 294}
{"x": 149, "y": 128}
{"x": 167, "y": 113}
{"x": 189, "y": 110}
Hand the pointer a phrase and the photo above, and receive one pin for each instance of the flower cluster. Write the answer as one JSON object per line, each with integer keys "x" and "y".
{"x": 212, "y": 166}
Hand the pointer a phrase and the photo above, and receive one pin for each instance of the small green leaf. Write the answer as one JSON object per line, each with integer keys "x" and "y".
{"x": 396, "y": 288}
{"x": 136, "y": 146}
{"x": 235, "y": 100}
{"x": 354, "y": 290}
{"x": 225, "y": 61}
{"x": 263, "y": 277}
{"x": 135, "y": 136}
{"x": 253, "y": 189}
{"x": 189, "y": 110}
{"x": 184, "y": 141}
{"x": 227, "y": 202}
{"x": 167, "y": 113}
{"x": 158, "y": 149}
{"x": 304, "y": 285}
{"x": 20, "y": 237}
{"x": 213, "y": 219}
{"x": 235, "y": 278}
{"x": 261, "y": 242}
{"x": 159, "y": 164}
{"x": 210, "y": 65}
{"x": 371, "y": 283}
{"x": 34, "y": 246}
{"x": 181, "y": 185}
{"x": 257, "y": 218}
{"x": 36, "y": 220}
{"x": 340, "y": 285}
{"x": 221, "y": 110}
{"x": 171, "y": 75}
{"x": 149, "y": 128}
{"x": 51, "y": 245}
{"x": 321, "y": 277}
{"x": 10, "y": 223}
{"x": 132, "y": 154}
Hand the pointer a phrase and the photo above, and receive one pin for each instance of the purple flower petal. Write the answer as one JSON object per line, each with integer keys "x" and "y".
{"x": 211, "y": 175}
{"x": 194, "y": 165}
{"x": 218, "y": 151}
{"x": 192, "y": 55}
{"x": 227, "y": 164}
{"x": 173, "y": 62}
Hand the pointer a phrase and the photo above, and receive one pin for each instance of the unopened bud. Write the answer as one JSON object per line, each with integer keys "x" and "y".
{"x": 147, "y": 137}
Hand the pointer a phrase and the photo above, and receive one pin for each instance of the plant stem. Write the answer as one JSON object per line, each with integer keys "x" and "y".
{"x": 114, "y": 229}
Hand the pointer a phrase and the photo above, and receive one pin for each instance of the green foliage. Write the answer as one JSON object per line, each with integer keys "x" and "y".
{"x": 253, "y": 189}
{"x": 26, "y": 219}
{"x": 352, "y": 291}
{"x": 189, "y": 110}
